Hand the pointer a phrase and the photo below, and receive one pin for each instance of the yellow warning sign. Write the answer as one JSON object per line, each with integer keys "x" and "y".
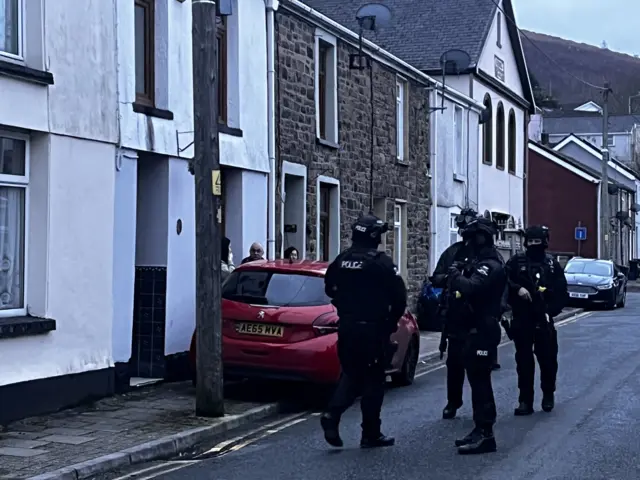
{"x": 216, "y": 183}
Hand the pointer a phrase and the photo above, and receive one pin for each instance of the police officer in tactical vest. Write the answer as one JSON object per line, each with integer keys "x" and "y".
{"x": 537, "y": 293}
{"x": 475, "y": 288}
{"x": 370, "y": 297}
{"x": 456, "y": 252}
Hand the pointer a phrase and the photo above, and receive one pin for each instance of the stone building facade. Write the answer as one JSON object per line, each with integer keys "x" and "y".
{"x": 338, "y": 157}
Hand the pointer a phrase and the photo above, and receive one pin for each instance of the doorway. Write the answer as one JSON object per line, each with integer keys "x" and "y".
{"x": 294, "y": 212}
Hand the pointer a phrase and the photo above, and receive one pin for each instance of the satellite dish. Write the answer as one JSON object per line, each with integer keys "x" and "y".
{"x": 485, "y": 116}
{"x": 612, "y": 189}
{"x": 454, "y": 61}
{"x": 373, "y": 15}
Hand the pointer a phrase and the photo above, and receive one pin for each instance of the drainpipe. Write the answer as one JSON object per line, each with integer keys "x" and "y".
{"x": 433, "y": 125}
{"x": 272, "y": 7}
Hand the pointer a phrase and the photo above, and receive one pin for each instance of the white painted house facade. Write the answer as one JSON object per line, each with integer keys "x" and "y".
{"x": 154, "y": 264}
{"x": 454, "y": 151}
{"x": 58, "y": 136}
{"x": 500, "y": 81}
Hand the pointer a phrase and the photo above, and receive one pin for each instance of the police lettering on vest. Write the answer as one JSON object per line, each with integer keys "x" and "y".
{"x": 351, "y": 264}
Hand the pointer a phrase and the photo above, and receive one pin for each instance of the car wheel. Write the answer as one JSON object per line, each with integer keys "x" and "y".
{"x": 623, "y": 300}
{"x": 406, "y": 376}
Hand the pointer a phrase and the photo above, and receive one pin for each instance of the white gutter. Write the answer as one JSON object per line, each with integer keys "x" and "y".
{"x": 434, "y": 182}
{"x": 272, "y": 6}
{"x": 382, "y": 55}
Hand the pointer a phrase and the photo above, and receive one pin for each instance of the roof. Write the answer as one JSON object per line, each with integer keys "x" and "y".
{"x": 591, "y": 123}
{"x": 302, "y": 266}
{"x": 422, "y": 30}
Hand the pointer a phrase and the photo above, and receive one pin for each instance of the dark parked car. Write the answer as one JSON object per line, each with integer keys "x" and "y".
{"x": 595, "y": 282}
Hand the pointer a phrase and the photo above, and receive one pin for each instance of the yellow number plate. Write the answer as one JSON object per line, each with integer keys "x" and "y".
{"x": 263, "y": 329}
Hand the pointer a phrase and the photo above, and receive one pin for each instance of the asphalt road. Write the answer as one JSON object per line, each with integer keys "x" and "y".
{"x": 592, "y": 433}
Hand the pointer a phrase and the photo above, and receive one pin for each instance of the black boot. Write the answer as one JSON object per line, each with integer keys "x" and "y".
{"x": 330, "y": 426}
{"x": 524, "y": 408}
{"x": 466, "y": 439}
{"x": 548, "y": 402}
{"x": 373, "y": 441}
{"x": 481, "y": 440}
{"x": 450, "y": 411}
{"x": 496, "y": 366}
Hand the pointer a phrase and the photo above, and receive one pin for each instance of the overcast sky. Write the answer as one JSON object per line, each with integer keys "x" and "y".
{"x": 587, "y": 21}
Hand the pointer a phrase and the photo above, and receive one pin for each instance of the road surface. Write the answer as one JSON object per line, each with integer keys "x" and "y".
{"x": 592, "y": 433}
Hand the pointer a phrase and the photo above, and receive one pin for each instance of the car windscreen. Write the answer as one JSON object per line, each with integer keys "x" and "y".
{"x": 275, "y": 288}
{"x": 589, "y": 268}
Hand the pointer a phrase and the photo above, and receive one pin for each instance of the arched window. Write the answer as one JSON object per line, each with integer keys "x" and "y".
{"x": 500, "y": 137}
{"x": 512, "y": 142}
{"x": 487, "y": 133}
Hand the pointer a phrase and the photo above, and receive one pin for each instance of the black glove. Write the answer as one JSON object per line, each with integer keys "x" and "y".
{"x": 453, "y": 271}
{"x": 443, "y": 345}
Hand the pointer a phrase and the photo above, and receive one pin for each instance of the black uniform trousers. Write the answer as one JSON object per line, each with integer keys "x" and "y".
{"x": 362, "y": 358}
{"x": 466, "y": 356}
{"x": 543, "y": 342}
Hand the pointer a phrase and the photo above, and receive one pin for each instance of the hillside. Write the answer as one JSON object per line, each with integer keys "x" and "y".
{"x": 590, "y": 63}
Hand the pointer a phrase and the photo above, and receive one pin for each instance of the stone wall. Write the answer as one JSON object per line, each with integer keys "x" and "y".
{"x": 296, "y": 141}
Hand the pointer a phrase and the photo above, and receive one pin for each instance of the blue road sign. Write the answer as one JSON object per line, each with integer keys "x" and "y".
{"x": 581, "y": 233}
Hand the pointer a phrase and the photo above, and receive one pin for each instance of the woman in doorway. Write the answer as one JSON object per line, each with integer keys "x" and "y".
{"x": 292, "y": 254}
{"x": 226, "y": 255}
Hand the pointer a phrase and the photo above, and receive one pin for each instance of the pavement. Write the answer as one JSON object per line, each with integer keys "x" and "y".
{"x": 145, "y": 425}
{"x": 591, "y": 434}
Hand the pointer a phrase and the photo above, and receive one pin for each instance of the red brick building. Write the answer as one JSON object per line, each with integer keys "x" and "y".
{"x": 563, "y": 194}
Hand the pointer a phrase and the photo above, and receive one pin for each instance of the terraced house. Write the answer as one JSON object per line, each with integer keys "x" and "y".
{"x": 350, "y": 140}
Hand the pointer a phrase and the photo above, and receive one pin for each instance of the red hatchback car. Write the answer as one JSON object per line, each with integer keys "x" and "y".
{"x": 279, "y": 324}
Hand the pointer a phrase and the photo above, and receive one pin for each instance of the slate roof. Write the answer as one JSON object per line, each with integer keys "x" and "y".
{"x": 587, "y": 124}
{"x": 421, "y": 30}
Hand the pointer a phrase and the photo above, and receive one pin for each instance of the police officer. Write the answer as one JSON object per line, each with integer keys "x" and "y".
{"x": 475, "y": 291}
{"x": 452, "y": 340}
{"x": 537, "y": 293}
{"x": 370, "y": 297}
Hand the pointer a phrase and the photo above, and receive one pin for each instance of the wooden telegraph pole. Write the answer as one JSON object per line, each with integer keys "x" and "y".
{"x": 206, "y": 169}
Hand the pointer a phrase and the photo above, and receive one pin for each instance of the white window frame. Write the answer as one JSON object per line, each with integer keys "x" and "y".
{"x": 331, "y": 129}
{"x": 21, "y": 40}
{"x": 458, "y": 147}
{"x": 400, "y": 229}
{"x": 611, "y": 141}
{"x": 300, "y": 171}
{"x": 453, "y": 228}
{"x": 16, "y": 181}
{"x": 402, "y": 86}
{"x": 334, "y": 218}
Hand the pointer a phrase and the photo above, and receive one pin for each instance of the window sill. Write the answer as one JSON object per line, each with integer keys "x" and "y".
{"x": 152, "y": 111}
{"x": 459, "y": 178}
{"x": 227, "y": 130}
{"x": 403, "y": 162}
{"x": 327, "y": 143}
{"x": 14, "y": 327}
{"x": 25, "y": 73}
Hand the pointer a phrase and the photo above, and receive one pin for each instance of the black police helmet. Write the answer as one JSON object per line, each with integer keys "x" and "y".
{"x": 465, "y": 216}
{"x": 537, "y": 232}
{"x": 482, "y": 225}
{"x": 368, "y": 230}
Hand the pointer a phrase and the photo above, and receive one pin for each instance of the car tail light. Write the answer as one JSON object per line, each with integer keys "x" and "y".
{"x": 325, "y": 324}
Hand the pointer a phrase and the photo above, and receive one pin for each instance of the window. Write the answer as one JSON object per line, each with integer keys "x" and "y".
{"x": 402, "y": 124}
{"x": 458, "y": 141}
{"x": 145, "y": 52}
{"x": 263, "y": 287}
{"x": 453, "y": 229}
{"x": 325, "y": 222}
{"x": 11, "y": 27}
{"x": 512, "y": 142}
{"x": 14, "y": 178}
{"x": 598, "y": 269}
{"x": 500, "y": 138}
{"x": 326, "y": 88}
{"x": 499, "y": 30}
{"x": 487, "y": 133}
{"x": 611, "y": 141}
{"x": 221, "y": 31}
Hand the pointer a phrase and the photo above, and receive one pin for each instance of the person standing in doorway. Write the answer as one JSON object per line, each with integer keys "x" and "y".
{"x": 256, "y": 252}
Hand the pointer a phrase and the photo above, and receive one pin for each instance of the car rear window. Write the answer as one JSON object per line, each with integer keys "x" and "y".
{"x": 589, "y": 268}
{"x": 274, "y": 288}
